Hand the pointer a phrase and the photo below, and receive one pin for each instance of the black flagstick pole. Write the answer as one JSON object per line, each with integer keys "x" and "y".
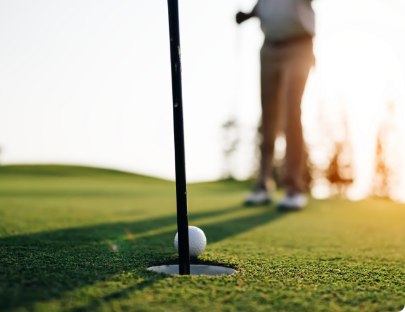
{"x": 181, "y": 187}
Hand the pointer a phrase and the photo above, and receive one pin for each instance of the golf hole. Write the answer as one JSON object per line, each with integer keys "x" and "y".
{"x": 195, "y": 269}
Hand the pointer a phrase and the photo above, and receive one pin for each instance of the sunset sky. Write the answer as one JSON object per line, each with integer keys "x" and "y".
{"x": 88, "y": 82}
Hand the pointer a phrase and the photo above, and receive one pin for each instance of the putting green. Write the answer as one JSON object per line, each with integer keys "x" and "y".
{"x": 80, "y": 239}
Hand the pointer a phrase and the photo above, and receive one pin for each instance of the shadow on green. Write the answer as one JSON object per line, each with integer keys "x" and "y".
{"x": 43, "y": 266}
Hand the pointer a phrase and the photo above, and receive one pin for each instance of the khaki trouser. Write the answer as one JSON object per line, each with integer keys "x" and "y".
{"x": 284, "y": 72}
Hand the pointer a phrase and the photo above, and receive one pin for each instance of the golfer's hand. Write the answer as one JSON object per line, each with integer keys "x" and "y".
{"x": 241, "y": 17}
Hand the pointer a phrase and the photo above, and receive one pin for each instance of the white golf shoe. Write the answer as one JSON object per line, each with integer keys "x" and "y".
{"x": 258, "y": 198}
{"x": 293, "y": 202}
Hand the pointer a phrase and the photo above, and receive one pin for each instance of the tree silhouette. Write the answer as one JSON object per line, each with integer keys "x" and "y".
{"x": 230, "y": 144}
{"x": 339, "y": 172}
{"x": 387, "y": 157}
{"x": 331, "y": 150}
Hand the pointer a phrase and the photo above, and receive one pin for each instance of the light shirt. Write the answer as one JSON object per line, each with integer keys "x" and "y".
{"x": 284, "y": 19}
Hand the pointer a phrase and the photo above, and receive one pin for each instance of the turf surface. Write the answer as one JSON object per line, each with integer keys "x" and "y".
{"x": 80, "y": 239}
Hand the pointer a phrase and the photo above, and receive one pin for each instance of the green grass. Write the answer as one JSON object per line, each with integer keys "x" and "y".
{"x": 59, "y": 226}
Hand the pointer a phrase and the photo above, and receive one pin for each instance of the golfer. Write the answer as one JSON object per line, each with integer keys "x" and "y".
{"x": 286, "y": 59}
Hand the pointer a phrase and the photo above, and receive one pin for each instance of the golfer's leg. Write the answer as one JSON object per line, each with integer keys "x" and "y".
{"x": 270, "y": 84}
{"x": 294, "y": 81}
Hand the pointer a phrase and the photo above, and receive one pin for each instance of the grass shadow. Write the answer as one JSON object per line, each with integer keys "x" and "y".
{"x": 43, "y": 266}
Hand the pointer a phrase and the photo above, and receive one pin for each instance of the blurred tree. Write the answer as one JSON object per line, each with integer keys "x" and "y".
{"x": 381, "y": 187}
{"x": 230, "y": 144}
{"x": 331, "y": 151}
{"x": 388, "y": 157}
{"x": 339, "y": 172}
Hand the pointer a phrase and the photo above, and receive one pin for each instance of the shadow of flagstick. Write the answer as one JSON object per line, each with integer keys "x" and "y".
{"x": 65, "y": 259}
{"x": 215, "y": 232}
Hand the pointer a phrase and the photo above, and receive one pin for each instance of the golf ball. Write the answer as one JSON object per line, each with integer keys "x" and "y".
{"x": 196, "y": 240}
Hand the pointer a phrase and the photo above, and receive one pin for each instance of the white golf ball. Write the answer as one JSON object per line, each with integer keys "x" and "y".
{"x": 196, "y": 240}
